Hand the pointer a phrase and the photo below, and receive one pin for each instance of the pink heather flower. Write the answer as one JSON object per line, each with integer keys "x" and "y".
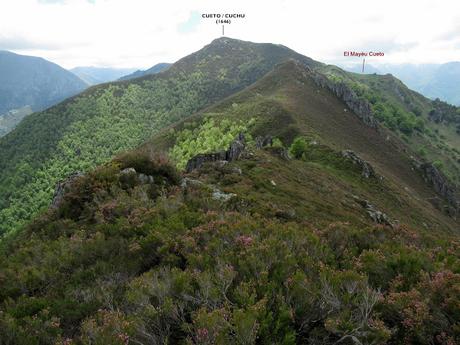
{"x": 202, "y": 334}
{"x": 244, "y": 240}
{"x": 124, "y": 338}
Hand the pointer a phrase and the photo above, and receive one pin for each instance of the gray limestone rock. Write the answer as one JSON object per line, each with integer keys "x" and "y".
{"x": 367, "y": 171}
{"x": 63, "y": 187}
{"x": 234, "y": 152}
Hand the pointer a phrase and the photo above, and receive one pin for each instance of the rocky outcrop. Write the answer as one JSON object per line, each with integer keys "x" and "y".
{"x": 141, "y": 178}
{"x": 188, "y": 182}
{"x": 281, "y": 152}
{"x": 436, "y": 115}
{"x": 236, "y": 148}
{"x": 218, "y": 195}
{"x": 198, "y": 161}
{"x": 442, "y": 112}
{"x": 367, "y": 171}
{"x": 359, "y": 106}
{"x": 62, "y": 187}
{"x": 266, "y": 142}
{"x": 234, "y": 152}
{"x": 261, "y": 142}
{"x": 441, "y": 185}
{"x": 376, "y": 215}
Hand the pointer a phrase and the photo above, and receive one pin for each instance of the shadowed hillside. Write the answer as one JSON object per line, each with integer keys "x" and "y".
{"x": 33, "y": 81}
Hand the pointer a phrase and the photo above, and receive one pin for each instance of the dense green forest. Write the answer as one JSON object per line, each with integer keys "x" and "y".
{"x": 115, "y": 119}
{"x": 208, "y": 137}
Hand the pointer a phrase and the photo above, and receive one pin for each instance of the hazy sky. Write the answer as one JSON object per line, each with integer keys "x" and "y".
{"x": 140, "y": 33}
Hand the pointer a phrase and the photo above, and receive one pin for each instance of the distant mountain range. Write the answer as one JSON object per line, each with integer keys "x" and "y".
{"x": 431, "y": 80}
{"x": 29, "y": 84}
{"x": 33, "y": 81}
{"x": 160, "y": 67}
{"x": 97, "y": 75}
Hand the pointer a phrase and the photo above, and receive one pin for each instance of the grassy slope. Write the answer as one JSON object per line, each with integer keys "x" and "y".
{"x": 443, "y": 143}
{"x": 91, "y": 128}
{"x": 287, "y": 104}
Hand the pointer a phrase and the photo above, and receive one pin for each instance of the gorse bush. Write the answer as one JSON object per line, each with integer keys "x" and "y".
{"x": 308, "y": 150}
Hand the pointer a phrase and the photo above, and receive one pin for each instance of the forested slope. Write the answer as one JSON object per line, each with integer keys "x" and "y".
{"x": 92, "y": 127}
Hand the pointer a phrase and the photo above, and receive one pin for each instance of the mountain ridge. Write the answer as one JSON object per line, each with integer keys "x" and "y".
{"x": 98, "y": 75}
{"x": 33, "y": 82}
{"x": 333, "y": 126}
{"x": 431, "y": 80}
{"x": 272, "y": 199}
{"x": 159, "y": 67}
{"x": 38, "y": 72}
{"x": 89, "y": 128}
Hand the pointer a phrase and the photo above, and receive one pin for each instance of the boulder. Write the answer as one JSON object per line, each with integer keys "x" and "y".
{"x": 222, "y": 196}
{"x": 188, "y": 182}
{"x": 236, "y": 148}
{"x": 145, "y": 179}
{"x": 140, "y": 178}
{"x": 367, "y": 171}
{"x": 261, "y": 142}
{"x": 441, "y": 185}
{"x": 62, "y": 187}
{"x": 128, "y": 171}
{"x": 376, "y": 215}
